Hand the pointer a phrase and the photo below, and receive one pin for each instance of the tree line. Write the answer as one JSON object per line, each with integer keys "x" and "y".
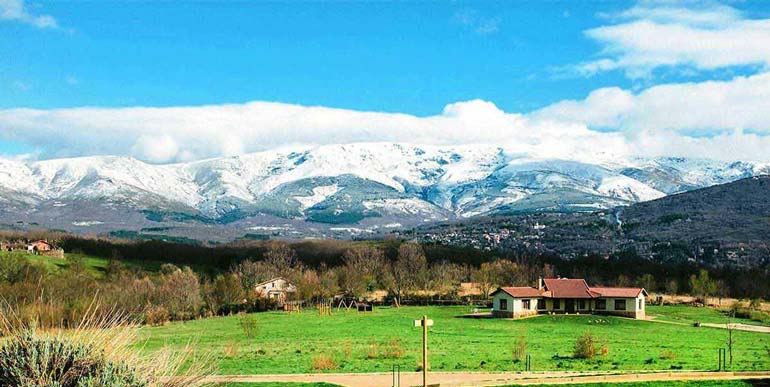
{"x": 187, "y": 286}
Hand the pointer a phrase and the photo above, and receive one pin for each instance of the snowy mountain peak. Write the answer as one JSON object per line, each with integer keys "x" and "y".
{"x": 353, "y": 183}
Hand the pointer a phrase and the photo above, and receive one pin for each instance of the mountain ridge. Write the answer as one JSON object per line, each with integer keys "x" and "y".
{"x": 362, "y": 184}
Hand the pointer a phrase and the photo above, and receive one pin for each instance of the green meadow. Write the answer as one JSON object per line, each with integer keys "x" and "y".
{"x": 374, "y": 342}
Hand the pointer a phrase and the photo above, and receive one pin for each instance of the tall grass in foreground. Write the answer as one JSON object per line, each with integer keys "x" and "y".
{"x": 96, "y": 353}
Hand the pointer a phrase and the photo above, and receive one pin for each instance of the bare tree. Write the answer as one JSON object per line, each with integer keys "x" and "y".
{"x": 360, "y": 270}
{"x": 409, "y": 272}
{"x": 280, "y": 260}
{"x": 487, "y": 277}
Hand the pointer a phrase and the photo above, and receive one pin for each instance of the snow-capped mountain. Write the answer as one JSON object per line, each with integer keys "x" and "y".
{"x": 367, "y": 184}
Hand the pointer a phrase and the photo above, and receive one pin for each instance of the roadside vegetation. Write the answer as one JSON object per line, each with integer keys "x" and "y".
{"x": 97, "y": 353}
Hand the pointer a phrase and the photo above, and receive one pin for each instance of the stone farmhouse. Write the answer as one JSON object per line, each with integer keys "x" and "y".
{"x": 568, "y": 296}
{"x": 278, "y": 289}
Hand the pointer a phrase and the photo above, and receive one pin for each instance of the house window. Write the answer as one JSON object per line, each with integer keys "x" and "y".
{"x": 601, "y": 304}
{"x": 640, "y": 304}
{"x": 620, "y": 304}
{"x": 541, "y": 303}
{"x": 581, "y": 304}
{"x": 556, "y": 304}
{"x": 503, "y": 304}
{"x": 526, "y": 304}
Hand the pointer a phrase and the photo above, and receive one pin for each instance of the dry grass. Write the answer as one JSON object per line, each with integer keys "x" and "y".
{"x": 231, "y": 349}
{"x": 108, "y": 336}
{"x": 391, "y": 350}
{"x": 667, "y": 354}
{"x": 158, "y": 316}
{"x": 324, "y": 362}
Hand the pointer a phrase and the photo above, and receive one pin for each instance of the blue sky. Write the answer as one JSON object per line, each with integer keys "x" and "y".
{"x": 412, "y": 58}
{"x": 399, "y": 57}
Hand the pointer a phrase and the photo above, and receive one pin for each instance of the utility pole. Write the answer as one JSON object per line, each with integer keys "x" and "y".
{"x": 424, "y": 323}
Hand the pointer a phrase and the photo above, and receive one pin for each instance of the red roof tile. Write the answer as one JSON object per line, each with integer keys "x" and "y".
{"x": 518, "y": 292}
{"x": 618, "y": 292}
{"x": 567, "y": 288}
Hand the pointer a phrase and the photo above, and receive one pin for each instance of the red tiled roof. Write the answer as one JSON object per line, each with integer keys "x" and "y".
{"x": 618, "y": 292}
{"x": 567, "y": 288}
{"x": 517, "y": 292}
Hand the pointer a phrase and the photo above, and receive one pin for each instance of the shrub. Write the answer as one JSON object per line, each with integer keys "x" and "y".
{"x": 157, "y": 316}
{"x": 98, "y": 353}
{"x": 586, "y": 347}
{"x": 28, "y": 360}
{"x": 324, "y": 362}
{"x": 249, "y": 325}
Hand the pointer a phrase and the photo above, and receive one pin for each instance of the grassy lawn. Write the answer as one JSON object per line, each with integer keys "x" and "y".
{"x": 689, "y": 315}
{"x": 289, "y": 343}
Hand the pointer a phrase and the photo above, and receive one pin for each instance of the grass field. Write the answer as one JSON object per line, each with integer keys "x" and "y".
{"x": 95, "y": 265}
{"x": 353, "y": 342}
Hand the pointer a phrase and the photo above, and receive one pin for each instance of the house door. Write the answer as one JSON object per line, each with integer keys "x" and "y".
{"x": 569, "y": 305}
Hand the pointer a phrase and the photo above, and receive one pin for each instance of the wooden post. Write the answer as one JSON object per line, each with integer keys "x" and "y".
{"x": 424, "y": 351}
{"x": 424, "y": 323}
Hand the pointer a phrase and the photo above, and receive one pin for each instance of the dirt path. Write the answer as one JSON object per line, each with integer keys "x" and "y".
{"x": 740, "y": 327}
{"x": 474, "y": 379}
{"x": 736, "y": 326}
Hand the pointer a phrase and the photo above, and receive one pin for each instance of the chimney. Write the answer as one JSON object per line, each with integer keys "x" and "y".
{"x": 540, "y": 283}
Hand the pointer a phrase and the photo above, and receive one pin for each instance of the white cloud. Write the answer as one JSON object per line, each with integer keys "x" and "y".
{"x": 183, "y": 133}
{"x": 160, "y": 148}
{"x": 703, "y": 38}
{"x": 15, "y": 10}
{"x": 691, "y": 108}
{"x": 723, "y": 120}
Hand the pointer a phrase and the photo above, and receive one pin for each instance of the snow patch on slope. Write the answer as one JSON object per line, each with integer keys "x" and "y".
{"x": 319, "y": 194}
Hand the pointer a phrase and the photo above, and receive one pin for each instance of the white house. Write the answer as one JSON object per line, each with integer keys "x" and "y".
{"x": 278, "y": 289}
{"x": 562, "y": 295}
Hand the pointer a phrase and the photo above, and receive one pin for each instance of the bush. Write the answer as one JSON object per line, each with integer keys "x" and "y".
{"x": 587, "y": 347}
{"x": 157, "y": 316}
{"x": 324, "y": 362}
{"x": 27, "y": 360}
{"x": 249, "y": 325}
